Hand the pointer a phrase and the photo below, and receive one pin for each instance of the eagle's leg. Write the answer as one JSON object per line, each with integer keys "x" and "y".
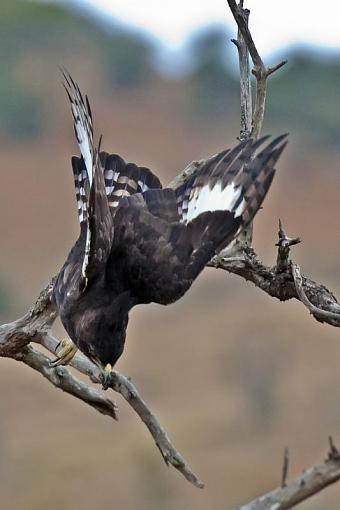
{"x": 66, "y": 353}
{"x": 106, "y": 376}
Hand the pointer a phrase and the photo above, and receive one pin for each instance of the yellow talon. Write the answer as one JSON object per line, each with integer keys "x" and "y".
{"x": 66, "y": 353}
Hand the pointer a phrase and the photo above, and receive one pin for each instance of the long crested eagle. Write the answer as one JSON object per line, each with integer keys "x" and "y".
{"x": 140, "y": 243}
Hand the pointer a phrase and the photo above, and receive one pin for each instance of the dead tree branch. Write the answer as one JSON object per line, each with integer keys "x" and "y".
{"x": 312, "y": 481}
{"x": 245, "y": 79}
{"x": 260, "y": 71}
{"x": 35, "y": 326}
{"x": 283, "y": 284}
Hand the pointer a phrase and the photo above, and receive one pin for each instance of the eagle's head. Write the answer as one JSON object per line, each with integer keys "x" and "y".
{"x": 100, "y": 331}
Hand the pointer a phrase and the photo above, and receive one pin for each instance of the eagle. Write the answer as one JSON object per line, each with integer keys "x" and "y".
{"x": 141, "y": 243}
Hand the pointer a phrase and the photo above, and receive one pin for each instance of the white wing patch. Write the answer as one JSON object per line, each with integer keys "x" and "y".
{"x": 216, "y": 199}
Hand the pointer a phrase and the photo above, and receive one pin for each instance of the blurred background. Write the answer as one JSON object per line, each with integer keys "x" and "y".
{"x": 233, "y": 375}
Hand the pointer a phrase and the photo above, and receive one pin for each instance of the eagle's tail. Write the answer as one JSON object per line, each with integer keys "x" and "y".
{"x": 93, "y": 208}
{"x": 125, "y": 179}
{"x": 121, "y": 179}
{"x": 83, "y": 168}
{"x": 224, "y": 196}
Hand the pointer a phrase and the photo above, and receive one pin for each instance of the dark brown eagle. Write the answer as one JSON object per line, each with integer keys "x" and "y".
{"x": 140, "y": 243}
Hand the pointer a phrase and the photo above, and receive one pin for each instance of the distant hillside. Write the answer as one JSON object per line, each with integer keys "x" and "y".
{"x": 304, "y": 98}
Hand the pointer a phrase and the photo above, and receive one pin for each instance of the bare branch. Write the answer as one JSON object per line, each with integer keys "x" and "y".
{"x": 61, "y": 378}
{"x": 321, "y": 314}
{"x": 284, "y": 244}
{"x": 35, "y": 326}
{"x": 285, "y": 467}
{"x": 260, "y": 71}
{"x": 245, "y": 81}
{"x": 283, "y": 284}
{"x": 312, "y": 481}
{"x": 188, "y": 171}
{"x": 246, "y": 105}
{"x": 237, "y": 11}
{"x": 124, "y": 386}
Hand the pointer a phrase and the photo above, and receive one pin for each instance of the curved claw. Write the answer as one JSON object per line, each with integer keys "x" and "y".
{"x": 66, "y": 353}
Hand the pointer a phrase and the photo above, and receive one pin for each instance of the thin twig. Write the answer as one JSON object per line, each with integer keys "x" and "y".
{"x": 312, "y": 481}
{"x": 285, "y": 467}
{"x": 333, "y": 451}
{"x": 284, "y": 243}
{"x": 242, "y": 25}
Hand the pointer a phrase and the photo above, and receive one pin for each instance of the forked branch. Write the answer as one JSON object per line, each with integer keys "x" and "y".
{"x": 260, "y": 71}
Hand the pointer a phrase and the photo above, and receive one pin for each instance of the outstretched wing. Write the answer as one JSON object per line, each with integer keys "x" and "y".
{"x": 93, "y": 207}
{"x": 231, "y": 181}
{"x": 164, "y": 238}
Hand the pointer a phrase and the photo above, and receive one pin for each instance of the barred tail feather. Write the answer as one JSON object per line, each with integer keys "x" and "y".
{"x": 81, "y": 184}
{"x": 124, "y": 179}
{"x": 82, "y": 119}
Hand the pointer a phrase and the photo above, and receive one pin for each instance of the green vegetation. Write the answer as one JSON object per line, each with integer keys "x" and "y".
{"x": 214, "y": 86}
{"x": 306, "y": 97}
{"x": 303, "y": 96}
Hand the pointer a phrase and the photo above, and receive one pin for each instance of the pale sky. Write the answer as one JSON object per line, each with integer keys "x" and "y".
{"x": 275, "y": 24}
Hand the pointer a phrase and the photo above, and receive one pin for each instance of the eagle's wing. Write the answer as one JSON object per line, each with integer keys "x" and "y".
{"x": 233, "y": 177}
{"x": 93, "y": 207}
{"x": 151, "y": 247}
{"x": 164, "y": 238}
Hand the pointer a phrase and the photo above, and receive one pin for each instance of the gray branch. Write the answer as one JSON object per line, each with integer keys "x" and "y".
{"x": 282, "y": 285}
{"x": 35, "y": 326}
{"x": 260, "y": 71}
{"x": 124, "y": 386}
{"x": 61, "y": 378}
{"x": 312, "y": 481}
{"x": 245, "y": 79}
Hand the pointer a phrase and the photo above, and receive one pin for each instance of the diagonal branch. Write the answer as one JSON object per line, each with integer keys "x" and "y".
{"x": 61, "y": 378}
{"x": 129, "y": 392}
{"x": 35, "y": 326}
{"x": 312, "y": 481}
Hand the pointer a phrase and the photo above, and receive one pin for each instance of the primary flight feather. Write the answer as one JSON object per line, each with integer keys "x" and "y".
{"x": 140, "y": 243}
